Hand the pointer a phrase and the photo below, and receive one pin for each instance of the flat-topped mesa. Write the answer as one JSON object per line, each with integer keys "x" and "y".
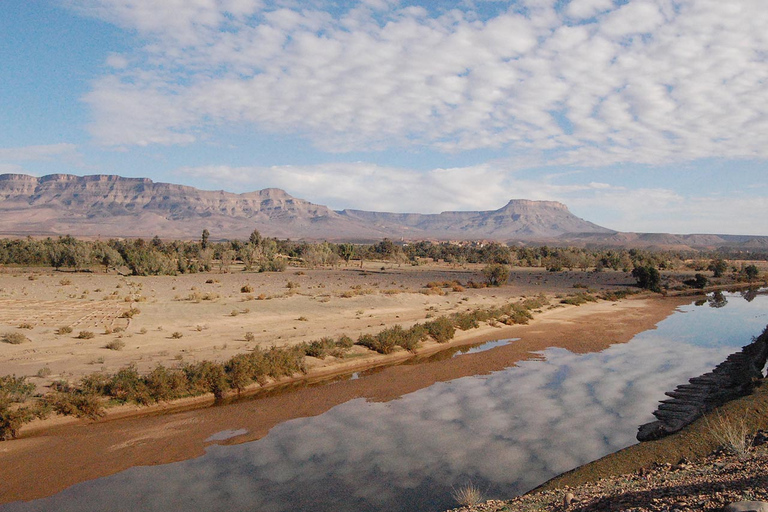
{"x": 733, "y": 378}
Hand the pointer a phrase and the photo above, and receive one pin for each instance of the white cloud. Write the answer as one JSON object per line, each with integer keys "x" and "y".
{"x": 367, "y": 186}
{"x": 581, "y": 9}
{"x": 649, "y": 81}
{"x": 40, "y": 153}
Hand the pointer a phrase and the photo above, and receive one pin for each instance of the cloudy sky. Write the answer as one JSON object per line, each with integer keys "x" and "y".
{"x": 640, "y": 115}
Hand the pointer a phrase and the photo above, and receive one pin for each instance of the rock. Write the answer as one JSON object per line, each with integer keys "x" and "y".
{"x": 747, "y": 506}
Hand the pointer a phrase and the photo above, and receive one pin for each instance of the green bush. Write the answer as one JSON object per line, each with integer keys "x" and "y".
{"x": 441, "y": 329}
{"x": 496, "y": 274}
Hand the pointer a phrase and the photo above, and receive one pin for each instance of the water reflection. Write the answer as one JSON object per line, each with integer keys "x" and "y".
{"x": 506, "y": 432}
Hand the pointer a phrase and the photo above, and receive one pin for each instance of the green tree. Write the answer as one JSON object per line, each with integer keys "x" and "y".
{"x": 751, "y": 272}
{"x": 204, "y": 239}
{"x": 718, "y": 267}
{"x": 647, "y": 277}
{"x": 496, "y": 274}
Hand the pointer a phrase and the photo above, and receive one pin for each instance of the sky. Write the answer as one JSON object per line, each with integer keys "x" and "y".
{"x": 639, "y": 115}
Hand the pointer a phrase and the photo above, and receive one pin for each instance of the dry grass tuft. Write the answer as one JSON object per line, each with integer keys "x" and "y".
{"x": 731, "y": 433}
{"x": 468, "y": 495}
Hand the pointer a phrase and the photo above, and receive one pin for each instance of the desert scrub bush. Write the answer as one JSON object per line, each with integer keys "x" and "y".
{"x": 207, "y": 377}
{"x": 15, "y": 389}
{"x": 615, "y": 295}
{"x": 128, "y": 386}
{"x": 176, "y": 335}
{"x": 44, "y": 372}
{"x": 730, "y": 433}
{"x": 249, "y": 336}
{"x": 65, "y": 282}
{"x": 578, "y": 299}
{"x": 441, "y": 329}
{"x": 130, "y": 313}
{"x": 465, "y": 321}
{"x": 344, "y": 342}
{"x": 26, "y": 325}
{"x": 246, "y": 289}
{"x": 285, "y": 361}
{"x": 467, "y": 495}
{"x": 14, "y": 338}
{"x": 292, "y": 285}
{"x": 73, "y": 401}
{"x": 65, "y": 329}
{"x": 516, "y": 314}
{"x": 85, "y": 335}
{"x": 166, "y": 384}
{"x": 320, "y": 348}
{"x": 115, "y": 345}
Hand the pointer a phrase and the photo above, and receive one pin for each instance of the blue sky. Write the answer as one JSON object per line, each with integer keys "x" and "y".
{"x": 640, "y": 115}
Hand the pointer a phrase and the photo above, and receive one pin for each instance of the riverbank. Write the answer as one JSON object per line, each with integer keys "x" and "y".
{"x": 69, "y": 453}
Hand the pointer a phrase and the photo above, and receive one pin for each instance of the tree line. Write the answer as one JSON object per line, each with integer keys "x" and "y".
{"x": 162, "y": 257}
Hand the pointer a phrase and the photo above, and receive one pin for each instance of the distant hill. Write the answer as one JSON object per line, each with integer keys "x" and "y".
{"x": 108, "y": 206}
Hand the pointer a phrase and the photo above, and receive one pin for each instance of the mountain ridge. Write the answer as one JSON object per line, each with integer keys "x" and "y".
{"x": 116, "y": 206}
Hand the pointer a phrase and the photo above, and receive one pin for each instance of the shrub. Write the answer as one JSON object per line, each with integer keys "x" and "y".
{"x": 730, "y": 433}
{"x": 26, "y": 325}
{"x": 115, "y": 345}
{"x": 76, "y": 402}
{"x": 207, "y": 377}
{"x": 14, "y": 338}
{"x": 43, "y": 372}
{"x": 465, "y": 321}
{"x": 15, "y": 389}
{"x": 249, "y": 336}
{"x": 128, "y": 386}
{"x": 320, "y": 348}
{"x": 648, "y": 277}
{"x": 165, "y": 384}
{"x": 698, "y": 281}
{"x": 130, "y": 313}
{"x": 85, "y": 335}
{"x": 496, "y": 274}
{"x": 345, "y": 342}
{"x": 467, "y": 495}
{"x": 578, "y": 299}
{"x": 441, "y": 329}
{"x": 751, "y": 272}
{"x": 176, "y": 335}
{"x": 64, "y": 330}
{"x": 246, "y": 289}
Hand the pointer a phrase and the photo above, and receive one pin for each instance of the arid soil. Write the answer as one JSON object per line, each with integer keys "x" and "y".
{"x": 333, "y": 301}
{"x": 206, "y": 316}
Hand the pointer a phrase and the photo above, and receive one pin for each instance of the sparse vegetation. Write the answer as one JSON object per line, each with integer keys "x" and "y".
{"x": 85, "y": 335}
{"x": 14, "y": 338}
{"x": 468, "y": 495}
{"x": 731, "y": 433}
{"x": 115, "y": 345}
{"x": 64, "y": 330}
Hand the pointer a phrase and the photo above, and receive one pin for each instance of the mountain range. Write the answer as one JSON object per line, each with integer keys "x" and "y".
{"x": 114, "y": 206}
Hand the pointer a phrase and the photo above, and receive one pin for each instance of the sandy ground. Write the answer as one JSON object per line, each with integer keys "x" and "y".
{"x": 74, "y": 451}
{"x": 206, "y": 316}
